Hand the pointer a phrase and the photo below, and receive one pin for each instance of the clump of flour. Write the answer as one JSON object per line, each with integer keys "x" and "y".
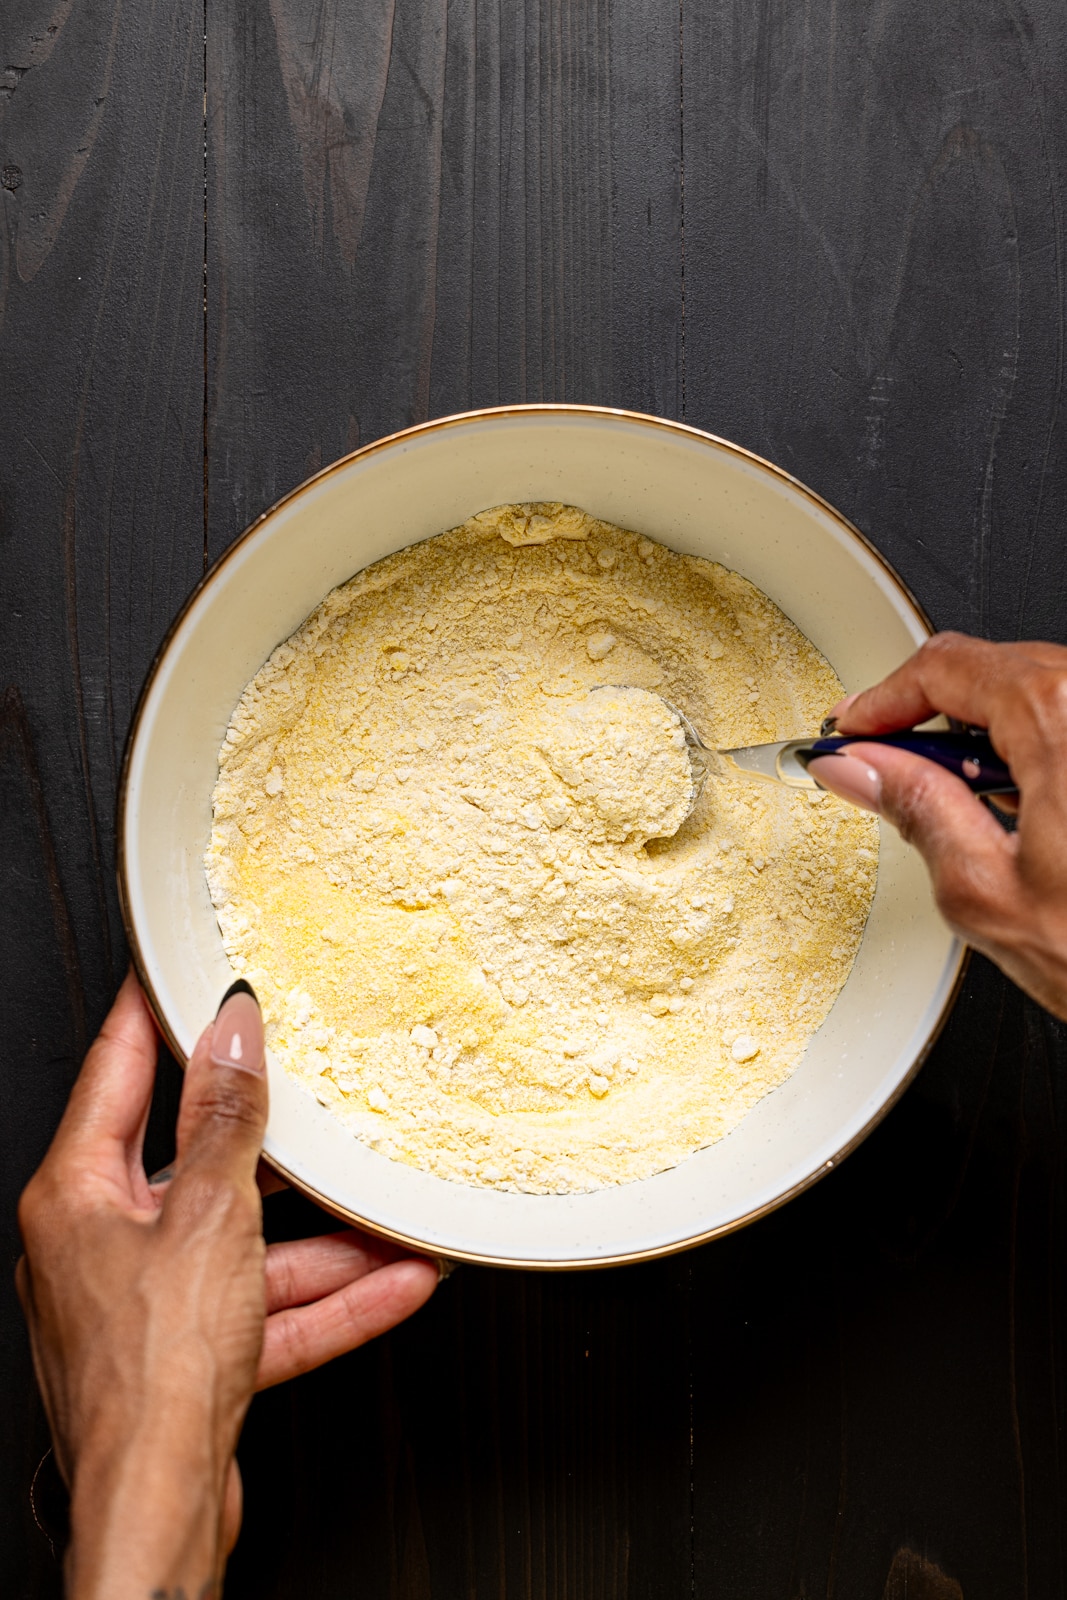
{"x": 621, "y": 755}
{"x": 456, "y": 859}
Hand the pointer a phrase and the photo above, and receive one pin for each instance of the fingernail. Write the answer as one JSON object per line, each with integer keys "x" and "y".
{"x": 237, "y": 1037}
{"x": 835, "y": 713}
{"x": 164, "y": 1175}
{"x": 849, "y": 779}
{"x": 445, "y": 1267}
{"x": 238, "y": 986}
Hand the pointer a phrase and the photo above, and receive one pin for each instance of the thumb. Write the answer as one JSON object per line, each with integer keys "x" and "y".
{"x": 970, "y": 857}
{"x": 223, "y": 1112}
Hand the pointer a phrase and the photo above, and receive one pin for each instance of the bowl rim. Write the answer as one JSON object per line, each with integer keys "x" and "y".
{"x": 538, "y": 408}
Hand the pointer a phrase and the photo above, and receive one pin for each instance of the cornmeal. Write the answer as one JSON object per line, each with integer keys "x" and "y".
{"x": 453, "y": 853}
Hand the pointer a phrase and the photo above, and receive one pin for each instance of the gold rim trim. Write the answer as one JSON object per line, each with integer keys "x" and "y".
{"x": 410, "y": 1241}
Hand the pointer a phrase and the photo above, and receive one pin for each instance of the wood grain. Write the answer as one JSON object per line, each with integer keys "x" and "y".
{"x": 832, "y": 233}
{"x": 515, "y": 181}
{"x": 44, "y": 1035}
{"x": 875, "y": 280}
{"x": 102, "y": 535}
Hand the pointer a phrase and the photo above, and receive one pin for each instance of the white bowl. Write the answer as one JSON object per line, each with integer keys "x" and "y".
{"x": 693, "y": 492}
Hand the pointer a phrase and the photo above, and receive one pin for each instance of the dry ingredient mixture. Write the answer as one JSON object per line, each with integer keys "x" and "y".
{"x": 451, "y": 852}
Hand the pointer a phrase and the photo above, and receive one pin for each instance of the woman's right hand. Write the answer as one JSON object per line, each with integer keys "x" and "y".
{"x": 1005, "y": 893}
{"x": 155, "y": 1308}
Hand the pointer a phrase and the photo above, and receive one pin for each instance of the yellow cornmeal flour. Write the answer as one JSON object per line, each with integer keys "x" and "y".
{"x": 449, "y": 853}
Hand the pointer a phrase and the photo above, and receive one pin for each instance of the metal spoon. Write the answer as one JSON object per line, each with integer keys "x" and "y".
{"x": 969, "y": 755}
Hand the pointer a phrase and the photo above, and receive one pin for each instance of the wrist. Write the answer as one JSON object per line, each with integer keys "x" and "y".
{"x": 146, "y": 1513}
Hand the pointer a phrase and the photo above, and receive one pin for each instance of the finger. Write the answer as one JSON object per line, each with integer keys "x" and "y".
{"x": 308, "y": 1269}
{"x": 232, "y": 1511}
{"x": 268, "y": 1181}
{"x": 158, "y": 1185}
{"x": 103, "y": 1125}
{"x": 296, "y": 1341}
{"x": 849, "y": 778}
{"x": 1045, "y": 654}
{"x": 972, "y": 861}
{"x": 952, "y": 673}
{"x": 223, "y": 1110}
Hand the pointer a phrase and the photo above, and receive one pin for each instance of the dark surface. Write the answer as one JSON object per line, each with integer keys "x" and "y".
{"x": 832, "y": 232}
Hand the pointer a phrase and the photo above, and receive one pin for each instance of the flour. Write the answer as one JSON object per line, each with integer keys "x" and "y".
{"x": 452, "y": 852}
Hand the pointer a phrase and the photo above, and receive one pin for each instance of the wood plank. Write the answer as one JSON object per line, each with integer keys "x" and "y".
{"x": 101, "y": 341}
{"x": 101, "y": 521}
{"x": 875, "y": 280}
{"x": 895, "y": 1342}
{"x": 519, "y": 1436}
{"x": 874, "y": 298}
{"x": 44, "y": 1033}
{"x": 497, "y": 219}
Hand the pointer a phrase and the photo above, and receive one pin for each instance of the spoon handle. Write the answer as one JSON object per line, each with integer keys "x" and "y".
{"x": 969, "y": 755}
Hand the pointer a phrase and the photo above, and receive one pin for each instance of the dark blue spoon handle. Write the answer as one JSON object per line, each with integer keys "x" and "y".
{"x": 969, "y": 755}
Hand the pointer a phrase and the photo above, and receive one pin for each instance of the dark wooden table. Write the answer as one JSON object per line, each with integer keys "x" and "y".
{"x": 240, "y": 239}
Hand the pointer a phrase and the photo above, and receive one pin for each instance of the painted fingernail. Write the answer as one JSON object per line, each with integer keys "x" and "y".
{"x": 835, "y": 713}
{"x": 849, "y": 779}
{"x": 238, "y": 986}
{"x": 164, "y": 1175}
{"x": 237, "y": 1037}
